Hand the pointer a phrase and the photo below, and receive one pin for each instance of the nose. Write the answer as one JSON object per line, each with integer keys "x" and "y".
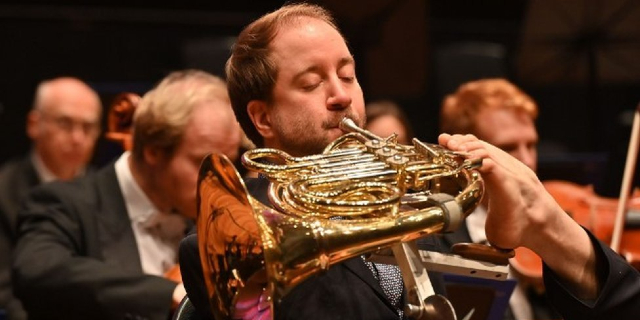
{"x": 78, "y": 135}
{"x": 339, "y": 97}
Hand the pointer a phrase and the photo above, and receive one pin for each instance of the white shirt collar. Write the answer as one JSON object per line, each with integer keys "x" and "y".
{"x": 139, "y": 207}
{"x": 43, "y": 172}
{"x": 475, "y": 224}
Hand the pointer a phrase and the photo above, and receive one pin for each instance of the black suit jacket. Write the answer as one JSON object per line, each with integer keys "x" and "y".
{"x": 619, "y": 296}
{"x": 346, "y": 291}
{"x": 17, "y": 177}
{"x": 76, "y": 256}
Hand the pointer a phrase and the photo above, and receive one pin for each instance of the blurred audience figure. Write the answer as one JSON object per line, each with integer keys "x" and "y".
{"x": 385, "y": 117}
{"x": 498, "y": 112}
{"x": 104, "y": 246}
{"x": 63, "y": 126}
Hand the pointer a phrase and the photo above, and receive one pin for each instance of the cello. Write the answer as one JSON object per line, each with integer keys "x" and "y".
{"x": 120, "y": 119}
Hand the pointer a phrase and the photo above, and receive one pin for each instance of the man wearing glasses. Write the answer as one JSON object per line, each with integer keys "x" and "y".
{"x": 63, "y": 126}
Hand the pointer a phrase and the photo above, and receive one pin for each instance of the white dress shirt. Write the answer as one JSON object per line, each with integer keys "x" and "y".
{"x": 157, "y": 253}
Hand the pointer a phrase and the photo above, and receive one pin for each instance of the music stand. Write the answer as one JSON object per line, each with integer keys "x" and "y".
{"x": 488, "y": 299}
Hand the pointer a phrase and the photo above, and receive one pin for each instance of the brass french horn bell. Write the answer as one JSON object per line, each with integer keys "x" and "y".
{"x": 361, "y": 194}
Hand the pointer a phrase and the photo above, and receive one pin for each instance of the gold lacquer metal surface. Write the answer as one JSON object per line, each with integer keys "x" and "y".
{"x": 363, "y": 193}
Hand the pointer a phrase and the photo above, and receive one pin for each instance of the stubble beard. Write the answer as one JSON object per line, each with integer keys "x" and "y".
{"x": 302, "y": 139}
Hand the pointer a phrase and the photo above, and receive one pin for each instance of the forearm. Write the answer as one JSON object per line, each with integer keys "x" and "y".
{"x": 567, "y": 250}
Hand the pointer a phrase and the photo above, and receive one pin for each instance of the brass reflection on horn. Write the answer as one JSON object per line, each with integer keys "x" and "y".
{"x": 361, "y": 194}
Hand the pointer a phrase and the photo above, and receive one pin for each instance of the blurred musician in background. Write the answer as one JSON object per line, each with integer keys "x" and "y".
{"x": 385, "y": 117}
{"x": 98, "y": 247}
{"x": 63, "y": 126}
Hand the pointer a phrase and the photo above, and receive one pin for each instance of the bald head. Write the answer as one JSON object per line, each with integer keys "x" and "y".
{"x": 64, "y": 125}
{"x": 65, "y": 90}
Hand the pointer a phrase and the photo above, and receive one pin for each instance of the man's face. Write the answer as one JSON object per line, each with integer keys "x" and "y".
{"x": 210, "y": 129}
{"x": 511, "y": 131}
{"x": 316, "y": 87}
{"x": 65, "y": 128}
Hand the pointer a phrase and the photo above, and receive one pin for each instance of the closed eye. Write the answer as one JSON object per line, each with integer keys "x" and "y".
{"x": 348, "y": 79}
{"x": 311, "y": 87}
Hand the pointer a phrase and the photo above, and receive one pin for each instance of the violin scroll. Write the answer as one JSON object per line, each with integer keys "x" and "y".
{"x": 120, "y": 118}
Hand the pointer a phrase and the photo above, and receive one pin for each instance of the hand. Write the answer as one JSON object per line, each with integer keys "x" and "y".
{"x": 178, "y": 294}
{"x": 518, "y": 204}
{"x": 174, "y": 274}
{"x": 522, "y": 213}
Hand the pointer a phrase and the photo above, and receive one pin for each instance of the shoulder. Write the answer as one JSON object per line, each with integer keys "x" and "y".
{"x": 17, "y": 177}
{"x": 17, "y": 169}
{"x": 81, "y": 189}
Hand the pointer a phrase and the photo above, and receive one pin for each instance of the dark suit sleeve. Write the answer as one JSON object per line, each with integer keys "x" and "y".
{"x": 16, "y": 178}
{"x": 619, "y": 297}
{"x": 58, "y": 269}
{"x": 8, "y": 302}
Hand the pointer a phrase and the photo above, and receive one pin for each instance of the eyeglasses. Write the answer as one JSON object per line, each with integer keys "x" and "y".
{"x": 68, "y": 124}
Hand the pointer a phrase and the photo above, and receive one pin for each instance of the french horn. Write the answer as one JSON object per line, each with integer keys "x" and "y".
{"x": 363, "y": 193}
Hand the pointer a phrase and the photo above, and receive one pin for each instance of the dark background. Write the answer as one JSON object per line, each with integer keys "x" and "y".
{"x": 578, "y": 59}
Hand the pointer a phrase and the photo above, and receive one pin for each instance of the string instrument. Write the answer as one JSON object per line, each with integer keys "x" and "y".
{"x": 119, "y": 126}
{"x": 604, "y": 217}
{"x": 120, "y": 119}
{"x": 627, "y": 243}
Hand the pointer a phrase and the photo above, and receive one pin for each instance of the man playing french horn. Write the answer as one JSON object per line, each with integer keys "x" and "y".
{"x": 291, "y": 80}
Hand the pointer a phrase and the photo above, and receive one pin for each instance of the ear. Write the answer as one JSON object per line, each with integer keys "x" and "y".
{"x": 153, "y": 155}
{"x": 33, "y": 124}
{"x": 258, "y": 112}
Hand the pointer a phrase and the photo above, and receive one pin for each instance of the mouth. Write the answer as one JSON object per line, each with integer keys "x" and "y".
{"x": 334, "y": 132}
{"x": 338, "y": 123}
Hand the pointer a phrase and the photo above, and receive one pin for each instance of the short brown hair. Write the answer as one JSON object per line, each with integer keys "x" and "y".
{"x": 162, "y": 115}
{"x": 461, "y": 108}
{"x": 251, "y": 74}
